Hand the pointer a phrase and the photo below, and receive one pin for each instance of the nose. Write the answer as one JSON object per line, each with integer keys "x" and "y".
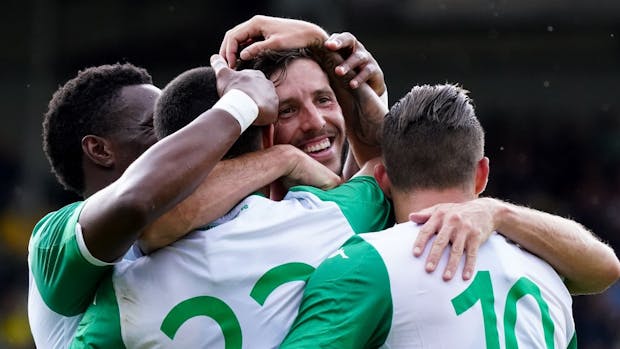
{"x": 313, "y": 119}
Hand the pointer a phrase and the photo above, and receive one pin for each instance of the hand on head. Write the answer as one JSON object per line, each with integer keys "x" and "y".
{"x": 253, "y": 83}
{"x": 261, "y": 33}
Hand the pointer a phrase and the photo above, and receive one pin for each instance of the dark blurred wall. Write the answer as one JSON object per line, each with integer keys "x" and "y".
{"x": 544, "y": 77}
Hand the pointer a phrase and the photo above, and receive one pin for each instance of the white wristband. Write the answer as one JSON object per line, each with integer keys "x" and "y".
{"x": 238, "y": 104}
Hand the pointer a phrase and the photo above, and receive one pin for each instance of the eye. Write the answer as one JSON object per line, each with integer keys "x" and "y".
{"x": 286, "y": 112}
{"x": 324, "y": 99}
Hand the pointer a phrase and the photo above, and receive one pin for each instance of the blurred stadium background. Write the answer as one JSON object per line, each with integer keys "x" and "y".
{"x": 544, "y": 76}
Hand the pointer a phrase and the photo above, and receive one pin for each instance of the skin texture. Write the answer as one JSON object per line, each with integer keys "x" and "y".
{"x": 309, "y": 116}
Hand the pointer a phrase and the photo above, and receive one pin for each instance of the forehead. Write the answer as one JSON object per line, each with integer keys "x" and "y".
{"x": 302, "y": 74}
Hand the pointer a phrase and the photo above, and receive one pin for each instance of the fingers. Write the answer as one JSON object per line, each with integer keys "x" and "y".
{"x": 338, "y": 41}
{"x": 470, "y": 258}
{"x": 240, "y": 34}
{"x": 218, "y": 63}
{"x": 426, "y": 231}
{"x": 256, "y": 48}
{"x": 420, "y": 217}
{"x": 441, "y": 241}
{"x": 456, "y": 252}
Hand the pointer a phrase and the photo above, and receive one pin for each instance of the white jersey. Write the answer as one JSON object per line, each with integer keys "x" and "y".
{"x": 235, "y": 284}
{"x": 514, "y": 299}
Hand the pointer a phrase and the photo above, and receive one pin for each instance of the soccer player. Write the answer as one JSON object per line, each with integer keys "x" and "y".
{"x": 373, "y": 293}
{"x": 96, "y": 125}
{"x": 237, "y": 282}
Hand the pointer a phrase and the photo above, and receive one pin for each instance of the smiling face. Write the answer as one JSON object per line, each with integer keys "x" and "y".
{"x": 309, "y": 116}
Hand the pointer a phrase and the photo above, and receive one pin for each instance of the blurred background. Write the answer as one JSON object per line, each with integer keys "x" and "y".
{"x": 544, "y": 76}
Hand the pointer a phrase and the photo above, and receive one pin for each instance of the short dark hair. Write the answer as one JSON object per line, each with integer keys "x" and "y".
{"x": 432, "y": 139}
{"x": 272, "y": 61}
{"x": 84, "y": 105}
{"x": 189, "y": 95}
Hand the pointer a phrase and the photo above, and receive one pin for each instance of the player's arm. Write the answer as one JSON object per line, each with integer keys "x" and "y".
{"x": 363, "y": 110}
{"x": 346, "y": 302}
{"x": 170, "y": 170}
{"x": 230, "y": 182}
{"x": 587, "y": 264}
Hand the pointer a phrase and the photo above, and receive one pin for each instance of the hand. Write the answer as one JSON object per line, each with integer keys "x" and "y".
{"x": 253, "y": 83}
{"x": 362, "y": 108}
{"x": 359, "y": 60}
{"x": 304, "y": 170}
{"x": 464, "y": 225}
{"x": 263, "y": 32}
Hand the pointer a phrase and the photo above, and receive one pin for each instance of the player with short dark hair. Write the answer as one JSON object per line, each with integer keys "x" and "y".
{"x": 433, "y": 153}
{"x": 105, "y": 116}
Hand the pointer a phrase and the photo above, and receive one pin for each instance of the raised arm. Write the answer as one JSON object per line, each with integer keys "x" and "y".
{"x": 587, "y": 264}
{"x": 230, "y": 182}
{"x": 363, "y": 110}
{"x": 112, "y": 218}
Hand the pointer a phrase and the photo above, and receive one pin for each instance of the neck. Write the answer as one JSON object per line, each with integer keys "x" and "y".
{"x": 416, "y": 200}
{"x": 96, "y": 179}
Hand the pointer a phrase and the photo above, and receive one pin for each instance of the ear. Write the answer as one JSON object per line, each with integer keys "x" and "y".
{"x": 482, "y": 175}
{"x": 382, "y": 179}
{"x": 268, "y": 135}
{"x": 98, "y": 150}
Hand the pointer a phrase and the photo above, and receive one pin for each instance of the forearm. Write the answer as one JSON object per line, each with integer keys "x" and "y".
{"x": 587, "y": 264}
{"x": 364, "y": 125}
{"x": 228, "y": 183}
{"x": 113, "y": 217}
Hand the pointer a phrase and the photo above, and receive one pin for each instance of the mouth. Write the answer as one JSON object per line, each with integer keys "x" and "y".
{"x": 316, "y": 147}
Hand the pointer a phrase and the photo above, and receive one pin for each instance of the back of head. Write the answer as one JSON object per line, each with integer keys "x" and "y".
{"x": 84, "y": 105}
{"x": 188, "y": 96}
{"x": 432, "y": 139}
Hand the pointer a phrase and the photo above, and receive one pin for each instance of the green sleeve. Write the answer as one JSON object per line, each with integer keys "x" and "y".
{"x": 573, "y": 342}
{"x": 100, "y": 326}
{"x": 347, "y": 302}
{"x": 64, "y": 278}
{"x": 362, "y": 202}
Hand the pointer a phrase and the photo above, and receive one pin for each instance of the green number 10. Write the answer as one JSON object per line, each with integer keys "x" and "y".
{"x": 482, "y": 289}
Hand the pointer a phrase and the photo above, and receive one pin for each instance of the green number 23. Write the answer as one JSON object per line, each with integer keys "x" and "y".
{"x": 221, "y": 313}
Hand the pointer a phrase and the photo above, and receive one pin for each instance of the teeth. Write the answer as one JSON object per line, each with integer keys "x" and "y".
{"x": 324, "y": 144}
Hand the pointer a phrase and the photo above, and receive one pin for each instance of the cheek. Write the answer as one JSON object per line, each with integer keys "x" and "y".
{"x": 336, "y": 119}
{"x": 284, "y": 132}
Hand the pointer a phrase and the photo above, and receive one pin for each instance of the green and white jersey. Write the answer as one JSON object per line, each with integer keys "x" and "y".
{"x": 375, "y": 293}
{"x": 236, "y": 284}
{"x": 63, "y": 277}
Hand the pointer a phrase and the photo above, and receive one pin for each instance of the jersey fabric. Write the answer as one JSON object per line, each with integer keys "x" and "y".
{"x": 375, "y": 293}
{"x": 63, "y": 277}
{"x": 236, "y": 284}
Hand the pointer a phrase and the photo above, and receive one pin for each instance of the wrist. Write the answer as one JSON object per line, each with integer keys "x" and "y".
{"x": 500, "y": 211}
{"x": 240, "y": 106}
{"x": 289, "y": 156}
